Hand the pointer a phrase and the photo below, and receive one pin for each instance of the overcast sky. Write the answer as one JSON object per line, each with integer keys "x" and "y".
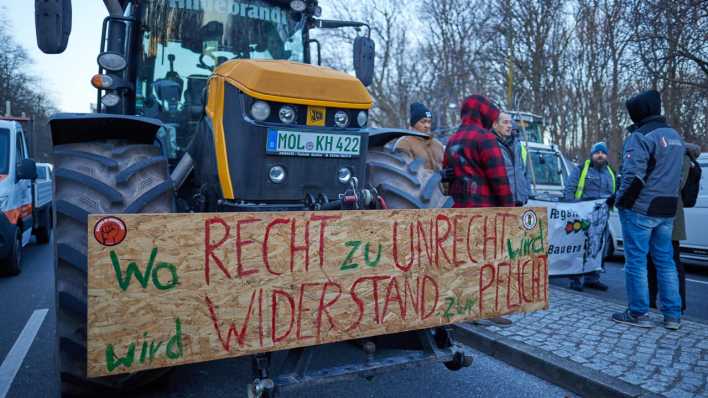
{"x": 65, "y": 76}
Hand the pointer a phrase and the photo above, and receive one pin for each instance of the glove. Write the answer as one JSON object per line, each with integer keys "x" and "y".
{"x": 611, "y": 201}
{"x": 631, "y": 194}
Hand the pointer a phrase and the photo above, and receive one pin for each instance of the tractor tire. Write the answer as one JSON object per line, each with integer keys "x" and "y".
{"x": 404, "y": 182}
{"x": 110, "y": 176}
{"x": 13, "y": 262}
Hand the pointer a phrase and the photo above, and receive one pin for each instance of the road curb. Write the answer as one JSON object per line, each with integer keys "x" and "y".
{"x": 550, "y": 367}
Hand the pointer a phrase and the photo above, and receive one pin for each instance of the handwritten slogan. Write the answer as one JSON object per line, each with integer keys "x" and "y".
{"x": 172, "y": 289}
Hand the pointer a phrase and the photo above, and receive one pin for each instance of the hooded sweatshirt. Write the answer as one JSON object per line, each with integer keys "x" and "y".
{"x": 652, "y": 160}
{"x": 479, "y": 176}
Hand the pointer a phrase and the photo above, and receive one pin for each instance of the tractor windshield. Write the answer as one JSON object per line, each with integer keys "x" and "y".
{"x": 182, "y": 42}
{"x": 546, "y": 168}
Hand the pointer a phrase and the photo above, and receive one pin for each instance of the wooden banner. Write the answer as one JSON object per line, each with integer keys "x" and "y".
{"x": 172, "y": 289}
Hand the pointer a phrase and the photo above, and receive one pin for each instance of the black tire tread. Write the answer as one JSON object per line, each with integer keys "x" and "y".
{"x": 104, "y": 189}
{"x": 84, "y": 188}
{"x": 404, "y": 182}
{"x": 105, "y": 161}
{"x": 125, "y": 175}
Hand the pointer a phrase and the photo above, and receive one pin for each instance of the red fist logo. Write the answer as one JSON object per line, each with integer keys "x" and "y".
{"x": 110, "y": 231}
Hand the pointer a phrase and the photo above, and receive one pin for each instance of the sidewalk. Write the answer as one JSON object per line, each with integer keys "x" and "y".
{"x": 575, "y": 343}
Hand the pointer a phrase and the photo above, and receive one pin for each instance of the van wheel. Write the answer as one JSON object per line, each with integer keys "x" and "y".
{"x": 14, "y": 260}
{"x": 44, "y": 231}
{"x": 109, "y": 177}
{"x": 404, "y": 182}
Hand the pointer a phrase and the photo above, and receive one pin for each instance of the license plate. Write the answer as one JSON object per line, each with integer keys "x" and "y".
{"x": 298, "y": 143}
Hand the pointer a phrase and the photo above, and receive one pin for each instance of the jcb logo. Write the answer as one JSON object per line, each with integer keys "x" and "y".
{"x": 315, "y": 116}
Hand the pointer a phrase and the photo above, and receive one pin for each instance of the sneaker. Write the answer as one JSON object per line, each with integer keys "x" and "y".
{"x": 596, "y": 285}
{"x": 672, "y": 324}
{"x": 626, "y": 317}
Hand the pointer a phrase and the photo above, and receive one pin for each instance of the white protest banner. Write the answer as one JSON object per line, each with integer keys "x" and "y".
{"x": 576, "y": 235}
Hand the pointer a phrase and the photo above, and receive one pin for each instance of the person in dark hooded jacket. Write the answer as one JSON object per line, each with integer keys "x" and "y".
{"x": 472, "y": 155}
{"x": 479, "y": 176}
{"x": 647, "y": 201}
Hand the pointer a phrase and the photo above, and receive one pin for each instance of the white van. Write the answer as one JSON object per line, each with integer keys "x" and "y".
{"x": 21, "y": 214}
{"x": 694, "y": 250}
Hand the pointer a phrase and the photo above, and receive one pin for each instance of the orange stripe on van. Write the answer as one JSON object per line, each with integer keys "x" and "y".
{"x": 20, "y": 212}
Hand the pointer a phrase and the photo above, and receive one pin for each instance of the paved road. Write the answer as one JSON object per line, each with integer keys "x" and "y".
{"x": 696, "y": 287}
{"x": 32, "y": 291}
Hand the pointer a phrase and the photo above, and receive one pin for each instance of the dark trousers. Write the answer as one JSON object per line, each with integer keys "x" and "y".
{"x": 651, "y": 272}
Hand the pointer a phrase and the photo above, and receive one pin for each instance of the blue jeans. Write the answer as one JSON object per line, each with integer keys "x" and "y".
{"x": 643, "y": 235}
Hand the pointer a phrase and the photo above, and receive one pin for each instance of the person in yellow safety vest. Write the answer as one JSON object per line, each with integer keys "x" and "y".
{"x": 594, "y": 179}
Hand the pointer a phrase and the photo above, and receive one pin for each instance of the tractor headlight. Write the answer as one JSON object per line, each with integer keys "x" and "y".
{"x": 362, "y": 118}
{"x": 111, "y": 61}
{"x": 287, "y": 114}
{"x": 260, "y": 110}
{"x": 341, "y": 119}
{"x": 344, "y": 175}
{"x": 110, "y": 99}
{"x": 277, "y": 174}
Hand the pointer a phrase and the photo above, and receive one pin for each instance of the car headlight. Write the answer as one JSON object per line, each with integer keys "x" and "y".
{"x": 287, "y": 114}
{"x": 362, "y": 118}
{"x": 260, "y": 110}
{"x": 341, "y": 119}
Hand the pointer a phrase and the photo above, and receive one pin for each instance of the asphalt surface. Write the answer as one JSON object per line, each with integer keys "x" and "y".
{"x": 33, "y": 291}
{"x": 613, "y": 277}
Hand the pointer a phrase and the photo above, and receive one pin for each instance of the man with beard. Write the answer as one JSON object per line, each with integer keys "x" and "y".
{"x": 594, "y": 180}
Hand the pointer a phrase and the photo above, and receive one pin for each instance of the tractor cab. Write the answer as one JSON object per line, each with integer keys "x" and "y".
{"x": 180, "y": 43}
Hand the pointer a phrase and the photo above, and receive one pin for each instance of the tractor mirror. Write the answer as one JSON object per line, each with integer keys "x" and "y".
{"x": 364, "y": 59}
{"x": 52, "y": 24}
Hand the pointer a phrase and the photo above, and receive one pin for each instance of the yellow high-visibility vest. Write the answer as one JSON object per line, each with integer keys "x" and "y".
{"x": 583, "y": 176}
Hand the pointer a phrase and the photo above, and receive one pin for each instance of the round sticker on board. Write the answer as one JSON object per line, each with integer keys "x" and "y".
{"x": 529, "y": 220}
{"x": 110, "y": 231}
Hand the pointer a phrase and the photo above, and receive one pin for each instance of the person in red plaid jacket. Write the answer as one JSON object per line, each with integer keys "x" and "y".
{"x": 473, "y": 162}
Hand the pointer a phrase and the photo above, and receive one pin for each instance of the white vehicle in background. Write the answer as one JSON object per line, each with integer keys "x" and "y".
{"x": 694, "y": 250}
{"x": 42, "y": 202}
{"x": 22, "y": 210}
{"x": 547, "y": 168}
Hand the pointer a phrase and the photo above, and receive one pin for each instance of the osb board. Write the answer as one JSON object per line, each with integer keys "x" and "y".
{"x": 172, "y": 289}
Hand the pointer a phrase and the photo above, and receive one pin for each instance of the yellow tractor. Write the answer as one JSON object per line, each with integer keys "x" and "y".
{"x": 216, "y": 106}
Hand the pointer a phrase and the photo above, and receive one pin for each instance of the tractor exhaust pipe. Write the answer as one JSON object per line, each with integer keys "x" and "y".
{"x": 181, "y": 172}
